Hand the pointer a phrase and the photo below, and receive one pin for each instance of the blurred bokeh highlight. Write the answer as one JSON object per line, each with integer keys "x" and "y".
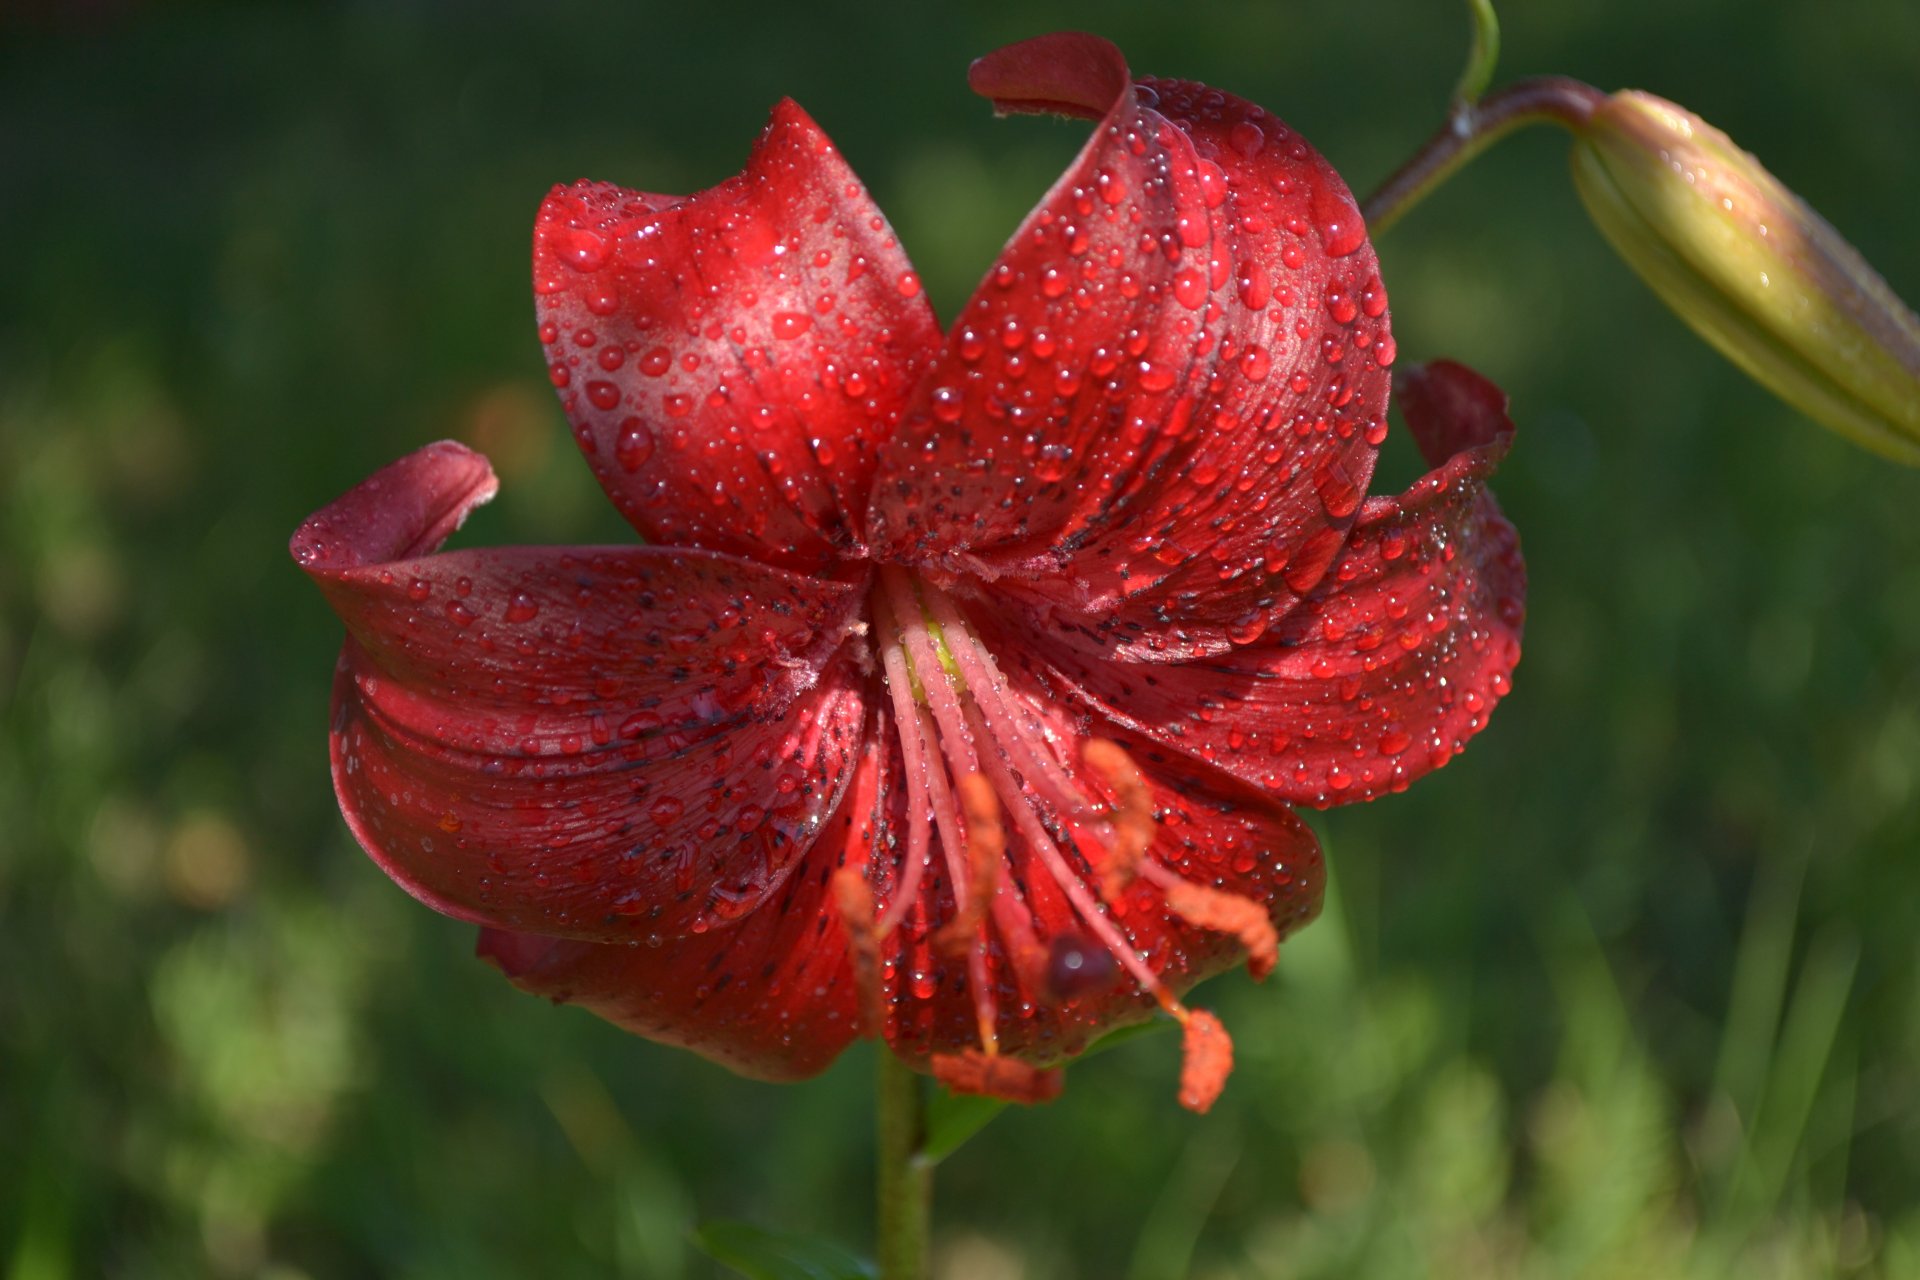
{"x": 1630, "y": 989}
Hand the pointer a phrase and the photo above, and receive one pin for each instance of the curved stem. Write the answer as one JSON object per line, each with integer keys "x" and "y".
{"x": 905, "y": 1176}
{"x": 1471, "y": 128}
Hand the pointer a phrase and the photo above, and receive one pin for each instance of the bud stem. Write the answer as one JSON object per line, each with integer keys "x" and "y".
{"x": 1472, "y": 127}
{"x": 1484, "y": 54}
{"x": 905, "y": 1176}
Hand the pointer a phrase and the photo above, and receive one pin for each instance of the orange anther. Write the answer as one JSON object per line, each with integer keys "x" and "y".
{"x": 1133, "y": 826}
{"x": 1224, "y": 912}
{"x": 971, "y": 1071}
{"x": 986, "y": 845}
{"x": 853, "y": 897}
{"x": 1207, "y": 1061}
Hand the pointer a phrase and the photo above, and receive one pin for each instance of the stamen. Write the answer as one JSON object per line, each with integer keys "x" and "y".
{"x": 912, "y": 650}
{"x": 1207, "y": 1053}
{"x": 1091, "y": 912}
{"x": 986, "y": 843}
{"x": 1014, "y": 727}
{"x": 971, "y": 1071}
{"x": 976, "y": 754}
{"x": 1222, "y": 912}
{"x": 853, "y": 897}
{"x": 914, "y": 761}
{"x": 1133, "y": 826}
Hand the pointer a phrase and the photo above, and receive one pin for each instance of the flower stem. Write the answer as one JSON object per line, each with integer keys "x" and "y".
{"x": 905, "y": 1175}
{"x": 1472, "y": 127}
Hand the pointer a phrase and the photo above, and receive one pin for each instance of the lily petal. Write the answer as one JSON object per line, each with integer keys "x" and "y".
{"x": 1162, "y": 406}
{"x": 730, "y": 361}
{"x": 1389, "y": 666}
{"x": 603, "y": 743}
{"x": 771, "y": 996}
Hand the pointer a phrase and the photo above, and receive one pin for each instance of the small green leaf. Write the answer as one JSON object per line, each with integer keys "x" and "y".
{"x": 760, "y": 1254}
{"x": 953, "y": 1118}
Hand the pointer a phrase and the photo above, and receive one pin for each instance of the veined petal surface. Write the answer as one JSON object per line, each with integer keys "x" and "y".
{"x": 1161, "y": 408}
{"x": 770, "y": 996}
{"x": 607, "y": 743}
{"x": 1386, "y": 669}
{"x": 731, "y": 361}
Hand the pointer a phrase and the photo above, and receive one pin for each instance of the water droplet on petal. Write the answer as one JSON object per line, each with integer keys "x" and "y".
{"x": 582, "y": 250}
{"x": 634, "y": 445}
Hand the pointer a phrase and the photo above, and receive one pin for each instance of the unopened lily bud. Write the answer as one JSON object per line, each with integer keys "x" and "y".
{"x": 1753, "y": 269}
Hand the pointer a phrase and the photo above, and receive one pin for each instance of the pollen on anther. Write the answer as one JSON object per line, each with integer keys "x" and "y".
{"x": 1207, "y": 1061}
{"x": 1223, "y": 912}
{"x": 992, "y": 1076}
{"x": 1132, "y": 817}
{"x": 853, "y": 898}
{"x": 986, "y": 844}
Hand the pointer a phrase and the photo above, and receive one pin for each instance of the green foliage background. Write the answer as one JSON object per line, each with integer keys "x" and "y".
{"x": 1632, "y": 988}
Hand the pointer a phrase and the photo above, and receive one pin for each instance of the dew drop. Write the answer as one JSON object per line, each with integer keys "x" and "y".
{"x": 1340, "y": 305}
{"x": 1077, "y": 965}
{"x": 582, "y": 250}
{"x": 634, "y": 445}
{"x": 1190, "y": 289}
{"x": 1155, "y": 377}
{"x": 1336, "y": 219}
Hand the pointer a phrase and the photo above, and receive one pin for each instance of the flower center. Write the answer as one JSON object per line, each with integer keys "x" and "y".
{"x": 980, "y": 764}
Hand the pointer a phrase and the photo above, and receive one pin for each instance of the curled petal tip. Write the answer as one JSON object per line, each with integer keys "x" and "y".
{"x": 405, "y": 509}
{"x": 1449, "y": 409}
{"x": 1753, "y": 269}
{"x": 1065, "y": 73}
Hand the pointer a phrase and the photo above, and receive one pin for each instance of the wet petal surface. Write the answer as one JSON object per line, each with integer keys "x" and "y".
{"x": 1385, "y": 670}
{"x": 1161, "y": 408}
{"x": 771, "y": 996}
{"x": 731, "y": 361}
{"x": 605, "y": 743}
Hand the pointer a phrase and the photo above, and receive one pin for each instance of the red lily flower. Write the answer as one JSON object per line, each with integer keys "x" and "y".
{"x": 962, "y": 685}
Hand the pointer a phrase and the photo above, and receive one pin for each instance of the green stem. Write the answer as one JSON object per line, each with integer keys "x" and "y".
{"x": 1471, "y": 128}
{"x": 905, "y": 1176}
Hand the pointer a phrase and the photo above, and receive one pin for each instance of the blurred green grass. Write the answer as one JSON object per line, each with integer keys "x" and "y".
{"x": 1632, "y": 988}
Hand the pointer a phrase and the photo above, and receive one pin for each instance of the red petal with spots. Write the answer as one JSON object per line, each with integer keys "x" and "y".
{"x": 731, "y": 361}
{"x": 771, "y": 996}
{"x": 1390, "y": 665}
{"x": 1162, "y": 406}
{"x": 606, "y": 743}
